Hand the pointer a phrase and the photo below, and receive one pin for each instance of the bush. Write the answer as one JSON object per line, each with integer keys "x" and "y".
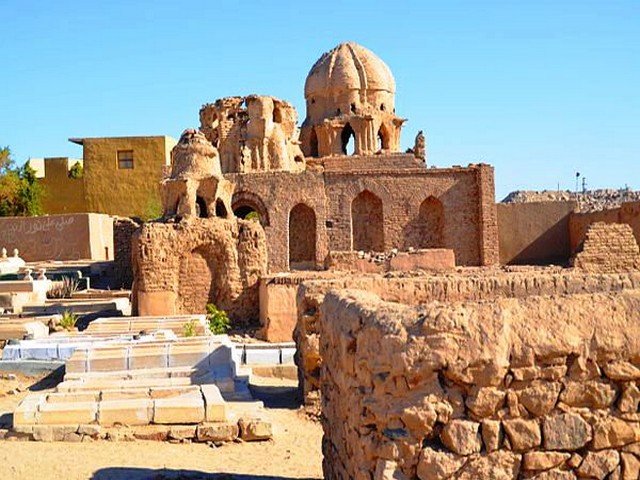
{"x": 218, "y": 320}
{"x": 68, "y": 321}
{"x": 20, "y": 191}
{"x": 76, "y": 171}
{"x": 64, "y": 289}
{"x": 189, "y": 329}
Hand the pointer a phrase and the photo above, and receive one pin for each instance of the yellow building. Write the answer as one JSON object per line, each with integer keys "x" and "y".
{"x": 64, "y": 191}
{"x": 121, "y": 176}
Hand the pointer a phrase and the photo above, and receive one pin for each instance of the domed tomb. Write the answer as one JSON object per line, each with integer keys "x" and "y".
{"x": 350, "y": 96}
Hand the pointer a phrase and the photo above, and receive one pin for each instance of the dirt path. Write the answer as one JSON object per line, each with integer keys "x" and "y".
{"x": 293, "y": 454}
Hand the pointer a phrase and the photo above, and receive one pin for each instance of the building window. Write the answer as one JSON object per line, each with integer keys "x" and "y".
{"x": 125, "y": 159}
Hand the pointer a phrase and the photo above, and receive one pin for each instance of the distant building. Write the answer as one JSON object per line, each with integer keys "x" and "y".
{"x": 120, "y": 176}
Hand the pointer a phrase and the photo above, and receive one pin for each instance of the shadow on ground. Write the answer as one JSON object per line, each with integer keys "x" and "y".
{"x": 276, "y": 396}
{"x": 50, "y": 381}
{"x": 131, "y": 473}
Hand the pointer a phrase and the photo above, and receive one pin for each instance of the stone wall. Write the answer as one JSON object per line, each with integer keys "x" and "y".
{"x": 78, "y": 236}
{"x": 534, "y": 233}
{"x": 420, "y": 290}
{"x": 123, "y": 229}
{"x": 541, "y": 387}
{"x": 180, "y": 267}
{"x": 608, "y": 247}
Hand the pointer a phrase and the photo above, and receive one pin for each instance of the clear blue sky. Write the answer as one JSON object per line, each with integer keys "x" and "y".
{"x": 539, "y": 89}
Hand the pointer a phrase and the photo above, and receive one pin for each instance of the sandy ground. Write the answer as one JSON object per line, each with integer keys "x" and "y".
{"x": 294, "y": 452}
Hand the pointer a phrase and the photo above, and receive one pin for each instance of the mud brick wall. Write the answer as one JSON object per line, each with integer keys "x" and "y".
{"x": 423, "y": 290}
{"x": 123, "y": 229}
{"x": 608, "y": 247}
{"x": 181, "y": 267}
{"x": 540, "y": 387}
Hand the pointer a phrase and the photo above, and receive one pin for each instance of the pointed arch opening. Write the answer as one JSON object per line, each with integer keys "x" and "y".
{"x": 367, "y": 222}
{"x": 348, "y": 139}
{"x": 302, "y": 237}
{"x": 384, "y": 138}
{"x": 427, "y": 229}
{"x": 313, "y": 143}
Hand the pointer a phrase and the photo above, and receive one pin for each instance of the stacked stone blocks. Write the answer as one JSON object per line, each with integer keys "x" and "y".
{"x": 541, "y": 387}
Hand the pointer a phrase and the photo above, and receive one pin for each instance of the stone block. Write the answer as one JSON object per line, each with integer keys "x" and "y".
{"x": 217, "y": 432}
{"x": 262, "y": 356}
{"x": 182, "y": 432}
{"x": 129, "y": 412}
{"x": 566, "y": 431}
{"x": 255, "y": 430}
{"x": 214, "y": 404}
{"x": 67, "y": 413}
{"x": 152, "y": 432}
{"x": 462, "y": 437}
{"x": 171, "y": 391}
{"x": 286, "y": 356}
{"x": 188, "y": 354}
{"x": 124, "y": 394}
{"x": 183, "y": 409}
{"x": 148, "y": 356}
{"x": 52, "y": 433}
{"x": 108, "y": 359}
{"x": 71, "y": 397}
{"x": 25, "y": 412}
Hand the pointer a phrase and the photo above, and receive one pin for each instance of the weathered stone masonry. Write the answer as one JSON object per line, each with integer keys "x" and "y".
{"x": 543, "y": 387}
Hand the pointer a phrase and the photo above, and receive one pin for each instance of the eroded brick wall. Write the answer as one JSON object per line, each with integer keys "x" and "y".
{"x": 377, "y": 202}
{"x": 180, "y": 267}
{"x": 541, "y": 387}
{"x": 608, "y": 247}
{"x": 423, "y": 290}
{"x": 123, "y": 229}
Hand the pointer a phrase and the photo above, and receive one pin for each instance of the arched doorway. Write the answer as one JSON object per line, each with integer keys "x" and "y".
{"x": 348, "y": 139}
{"x": 367, "y": 226}
{"x": 302, "y": 237}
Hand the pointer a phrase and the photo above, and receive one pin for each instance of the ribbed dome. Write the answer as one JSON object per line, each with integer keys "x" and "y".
{"x": 349, "y": 66}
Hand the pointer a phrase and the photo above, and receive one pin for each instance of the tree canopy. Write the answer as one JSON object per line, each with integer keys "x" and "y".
{"x": 20, "y": 192}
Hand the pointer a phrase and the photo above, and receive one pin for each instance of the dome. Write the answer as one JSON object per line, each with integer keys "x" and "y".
{"x": 348, "y": 66}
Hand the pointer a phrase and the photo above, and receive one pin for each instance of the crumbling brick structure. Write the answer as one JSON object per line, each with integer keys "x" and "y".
{"x": 541, "y": 387}
{"x": 123, "y": 228}
{"x": 608, "y": 247}
{"x": 313, "y": 195}
{"x": 199, "y": 253}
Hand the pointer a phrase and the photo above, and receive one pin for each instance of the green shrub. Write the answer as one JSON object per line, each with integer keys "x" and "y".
{"x": 189, "y": 329}
{"x": 253, "y": 215}
{"x": 76, "y": 171}
{"x": 68, "y": 320}
{"x": 218, "y": 320}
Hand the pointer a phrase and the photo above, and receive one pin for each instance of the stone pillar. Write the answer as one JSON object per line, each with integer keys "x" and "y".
{"x": 488, "y": 216}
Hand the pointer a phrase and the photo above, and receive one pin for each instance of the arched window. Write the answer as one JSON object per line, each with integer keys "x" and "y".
{"x": 348, "y": 139}
{"x": 249, "y": 206}
{"x": 313, "y": 142}
{"x": 221, "y": 210}
{"x": 367, "y": 226}
{"x": 383, "y": 137}
{"x": 201, "y": 208}
{"x": 302, "y": 237}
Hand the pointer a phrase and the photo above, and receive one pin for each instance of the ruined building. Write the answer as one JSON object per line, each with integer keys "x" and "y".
{"x": 342, "y": 183}
{"x": 199, "y": 253}
{"x": 314, "y": 198}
